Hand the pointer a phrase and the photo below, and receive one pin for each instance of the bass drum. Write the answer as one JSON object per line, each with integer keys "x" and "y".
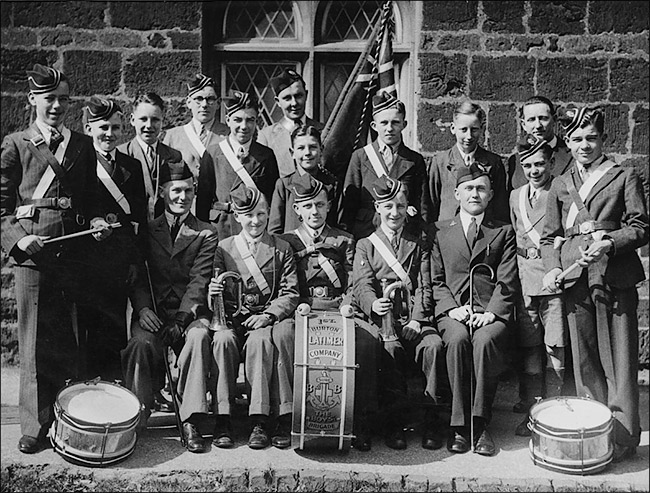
{"x": 95, "y": 423}
{"x": 571, "y": 435}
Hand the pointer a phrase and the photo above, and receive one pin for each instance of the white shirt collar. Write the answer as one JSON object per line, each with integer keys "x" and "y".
{"x": 145, "y": 147}
{"x": 46, "y": 130}
{"x": 595, "y": 164}
{"x": 314, "y": 233}
{"x": 466, "y": 219}
{"x": 236, "y": 145}
{"x": 553, "y": 142}
{"x": 250, "y": 239}
{"x": 464, "y": 155}
{"x": 170, "y": 218}
{"x": 289, "y": 124}
{"x": 382, "y": 145}
{"x": 103, "y": 153}
{"x": 390, "y": 233}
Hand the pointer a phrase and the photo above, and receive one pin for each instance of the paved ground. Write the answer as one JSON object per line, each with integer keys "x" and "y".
{"x": 160, "y": 463}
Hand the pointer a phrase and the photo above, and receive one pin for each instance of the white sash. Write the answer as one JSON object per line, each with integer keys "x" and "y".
{"x": 251, "y": 265}
{"x": 44, "y": 184}
{"x": 390, "y": 259}
{"x": 322, "y": 260}
{"x": 194, "y": 138}
{"x": 48, "y": 177}
{"x": 112, "y": 188}
{"x": 530, "y": 230}
{"x": 236, "y": 165}
{"x": 585, "y": 189}
{"x": 375, "y": 160}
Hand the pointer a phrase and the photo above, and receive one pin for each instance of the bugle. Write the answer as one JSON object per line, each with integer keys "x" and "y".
{"x": 388, "y": 332}
{"x": 218, "y": 308}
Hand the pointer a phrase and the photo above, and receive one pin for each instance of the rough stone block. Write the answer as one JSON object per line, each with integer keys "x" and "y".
{"x": 83, "y": 68}
{"x": 573, "y": 79}
{"x": 366, "y": 481}
{"x": 442, "y": 75}
{"x": 643, "y": 312}
{"x": 86, "y": 15}
{"x": 640, "y": 139}
{"x": 6, "y": 14}
{"x": 618, "y": 17}
{"x": 184, "y": 40}
{"x": 502, "y": 127}
{"x": 416, "y": 482}
{"x": 312, "y": 481}
{"x": 498, "y": 43}
{"x": 235, "y": 479}
{"x": 156, "y": 40}
{"x": 145, "y": 16}
{"x": 583, "y": 45}
{"x": 14, "y": 115}
{"x": 56, "y": 37}
{"x": 527, "y": 43}
{"x": 634, "y": 44}
{"x": 164, "y": 73}
{"x": 503, "y": 16}
{"x": 640, "y": 164}
{"x": 429, "y": 41}
{"x": 17, "y": 36}
{"x": 85, "y": 38}
{"x": 285, "y": 480}
{"x": 617, "y": 127}
{"x": 510, "y": 78}
{"x": 120, "y": 38}
{"x": 259, "y": 480}
{"x": 433, "y": 126}
{"x": 176, "y": 113}
{"x": 75, "y": 111}
{"x": 461, "y": 42}
{"x": 629, "y": 80}
{"x": 14, "y": 63}
{"x": 559, "y": 17}
{"x": 449, "y": 16}
{"x": 644, "y": 346}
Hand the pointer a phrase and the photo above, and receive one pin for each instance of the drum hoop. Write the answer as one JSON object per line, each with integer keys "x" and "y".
{"x": 578, "y": 469}
{"x": 553, "y": 432}
{"x": 558, "y": 400}
{"x": 101, "y": 462}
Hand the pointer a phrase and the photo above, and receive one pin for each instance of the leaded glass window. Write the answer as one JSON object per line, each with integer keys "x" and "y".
{"x": 259, "y": 20}
{"x": 349, "y": 20}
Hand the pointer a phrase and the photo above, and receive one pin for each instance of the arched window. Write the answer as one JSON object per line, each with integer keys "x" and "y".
{"x": 249, "y": 42}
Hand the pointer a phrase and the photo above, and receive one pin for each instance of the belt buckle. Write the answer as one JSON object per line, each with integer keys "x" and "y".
{"x": 111, "y": 218}
{"x": 250, "y": 299}
{"x": 319, "y": 291}
{"x": 586, "y": 227}
{"x": 63, "y": 203}
{"x": 532, "y": 253}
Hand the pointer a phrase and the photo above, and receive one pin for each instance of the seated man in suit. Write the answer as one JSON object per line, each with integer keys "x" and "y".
{"x": 180, "y": 265}
{"x": 265, "y": 326}
{"x": 474, "y": 330}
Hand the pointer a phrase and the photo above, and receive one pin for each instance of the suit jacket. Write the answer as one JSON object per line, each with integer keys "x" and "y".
{"x": 531, "y": 270}
{"x": 441, "y": 203}
{"x": 21, "y": 169}
{"x": 358, "y": 203}
{"x": 164, "y": 154}
{"x": 337, "y": 247}
{"x": 274, "y": 257}
{"x": 182, "y": 270}
{"x": 452, "y": 260}
{"x": 278, "y": 138}
{"x": 563, "y": 160}
{"x": 177, "y": 138}
{"x": 217, "y": 179}
{"x": 618, "y": 197}
{"x": 370, "y": 268}
{"x": 282, "y": 217}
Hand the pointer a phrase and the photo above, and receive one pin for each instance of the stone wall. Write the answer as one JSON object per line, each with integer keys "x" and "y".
{"x": 495, "y": 52}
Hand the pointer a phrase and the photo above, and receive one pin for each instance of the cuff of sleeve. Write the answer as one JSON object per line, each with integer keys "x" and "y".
{"x": 183, "y": 319}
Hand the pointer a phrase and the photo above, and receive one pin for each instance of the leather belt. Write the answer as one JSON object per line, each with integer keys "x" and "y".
{"x": 320, "y": 291}
{"x": 51, "y": 203}
{"x": 591, "y": 226}
{"x": 531, "y": 252}
{"x": 251, "y": 300}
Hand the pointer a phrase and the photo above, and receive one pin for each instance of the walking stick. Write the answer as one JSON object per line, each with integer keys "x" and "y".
{"x": 80, "y": 233}
{"x": 471, "y": 359}
{"x": 172, "y": 389}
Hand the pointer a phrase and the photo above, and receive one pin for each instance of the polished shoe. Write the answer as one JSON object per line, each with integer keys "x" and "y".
{"x": 458, "y": 442}
{"x": 622, "y": 453}
{"x": 431, "y": 439}
{"x": 396, "y": 439}
{"x": 484, "y": 445}
{"x": 30, "y": 445}
{"x": 193, "y": 438}
{"x": 258, "y": 438}
{"x": 222, "y": 434}
{"x": 161, "y": 404}
{"x": 362, "y": 442}
{"x": 522, "y": 429}
{"x": 281, "y": 437}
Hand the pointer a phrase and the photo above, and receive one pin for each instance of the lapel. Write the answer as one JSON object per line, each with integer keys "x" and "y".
{"x": 401, "y": 164}
{"x": 72, "y": 151}
{"x": 186, "y": 234}
{"x": 160, "y": 232}
{"x": 265, "y": 252}
{"x": 30, "y": 133}
{"x": 605, "y": 180}
{"x": 487, "y": 233}
{"x": 455, "y": 161}
{"x": 457, "y": 237}
{"x": 537, "y": 213}
{"x": 124, "y": 173}
{"x": 407, "y": 246}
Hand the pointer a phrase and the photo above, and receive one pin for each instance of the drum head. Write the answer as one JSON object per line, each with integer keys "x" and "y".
{"x": 570, "y": 413}
{"x": 101, "y": 402}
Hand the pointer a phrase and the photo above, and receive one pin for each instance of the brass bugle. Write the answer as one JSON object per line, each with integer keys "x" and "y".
{"x": 218, "y": 308}
{"x": 387, "y": 331}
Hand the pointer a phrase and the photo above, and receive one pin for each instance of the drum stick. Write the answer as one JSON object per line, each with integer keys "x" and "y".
{"x": 80, "y": 233}
{"x": 168, "y": 372}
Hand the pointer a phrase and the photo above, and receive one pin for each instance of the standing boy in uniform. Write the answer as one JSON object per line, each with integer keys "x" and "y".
{"x": 474, "y": 330}
{"x": 386, "y": 156}
{"x": 599, "y": 210}
{"x": 236, "y": 159}
{"x": 467, "y": 126}
{"x": 265, "y": 326}
{"x": 48, "y": 189}
{"x": 181, "y": 249}
{"x": 541, "y": 319}
{"x": 291, "y": 96}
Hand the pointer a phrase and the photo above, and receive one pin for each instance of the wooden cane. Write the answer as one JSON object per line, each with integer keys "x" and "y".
{"x": 80, "y": 233}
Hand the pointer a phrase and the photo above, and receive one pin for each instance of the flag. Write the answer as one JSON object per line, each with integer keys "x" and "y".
{"x": 348, "y": 126}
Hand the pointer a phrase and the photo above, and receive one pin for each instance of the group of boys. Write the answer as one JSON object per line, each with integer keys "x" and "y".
{"x": 467, "y": 239}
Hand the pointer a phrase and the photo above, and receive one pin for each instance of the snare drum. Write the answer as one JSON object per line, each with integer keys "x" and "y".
{"x": 323, "y": 397}
{"x": 95, "y": 423}
{"x": 571, "y": 434}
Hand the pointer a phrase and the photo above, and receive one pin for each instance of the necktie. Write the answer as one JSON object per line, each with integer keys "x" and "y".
{"x": 317, "y": 239}
{"x": 533, "y": 197}
{"x": 151, "y": 156}
{"x": 468, "y": 160}
{"x": 241, "y": 154}
{"x": 176, "y": 226}
{"x": 296, "y": 124}
{"x": 110, "y": 163}
{"x": 252, "y": 246}
{"x": 203, "y": 136}
{"x": 472, "y": 233}
{"x": 55, "y": 139}
{"x": 584, "y": 173}
{"x": 387, "y": 154}
{"x": 394, "y": 242}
